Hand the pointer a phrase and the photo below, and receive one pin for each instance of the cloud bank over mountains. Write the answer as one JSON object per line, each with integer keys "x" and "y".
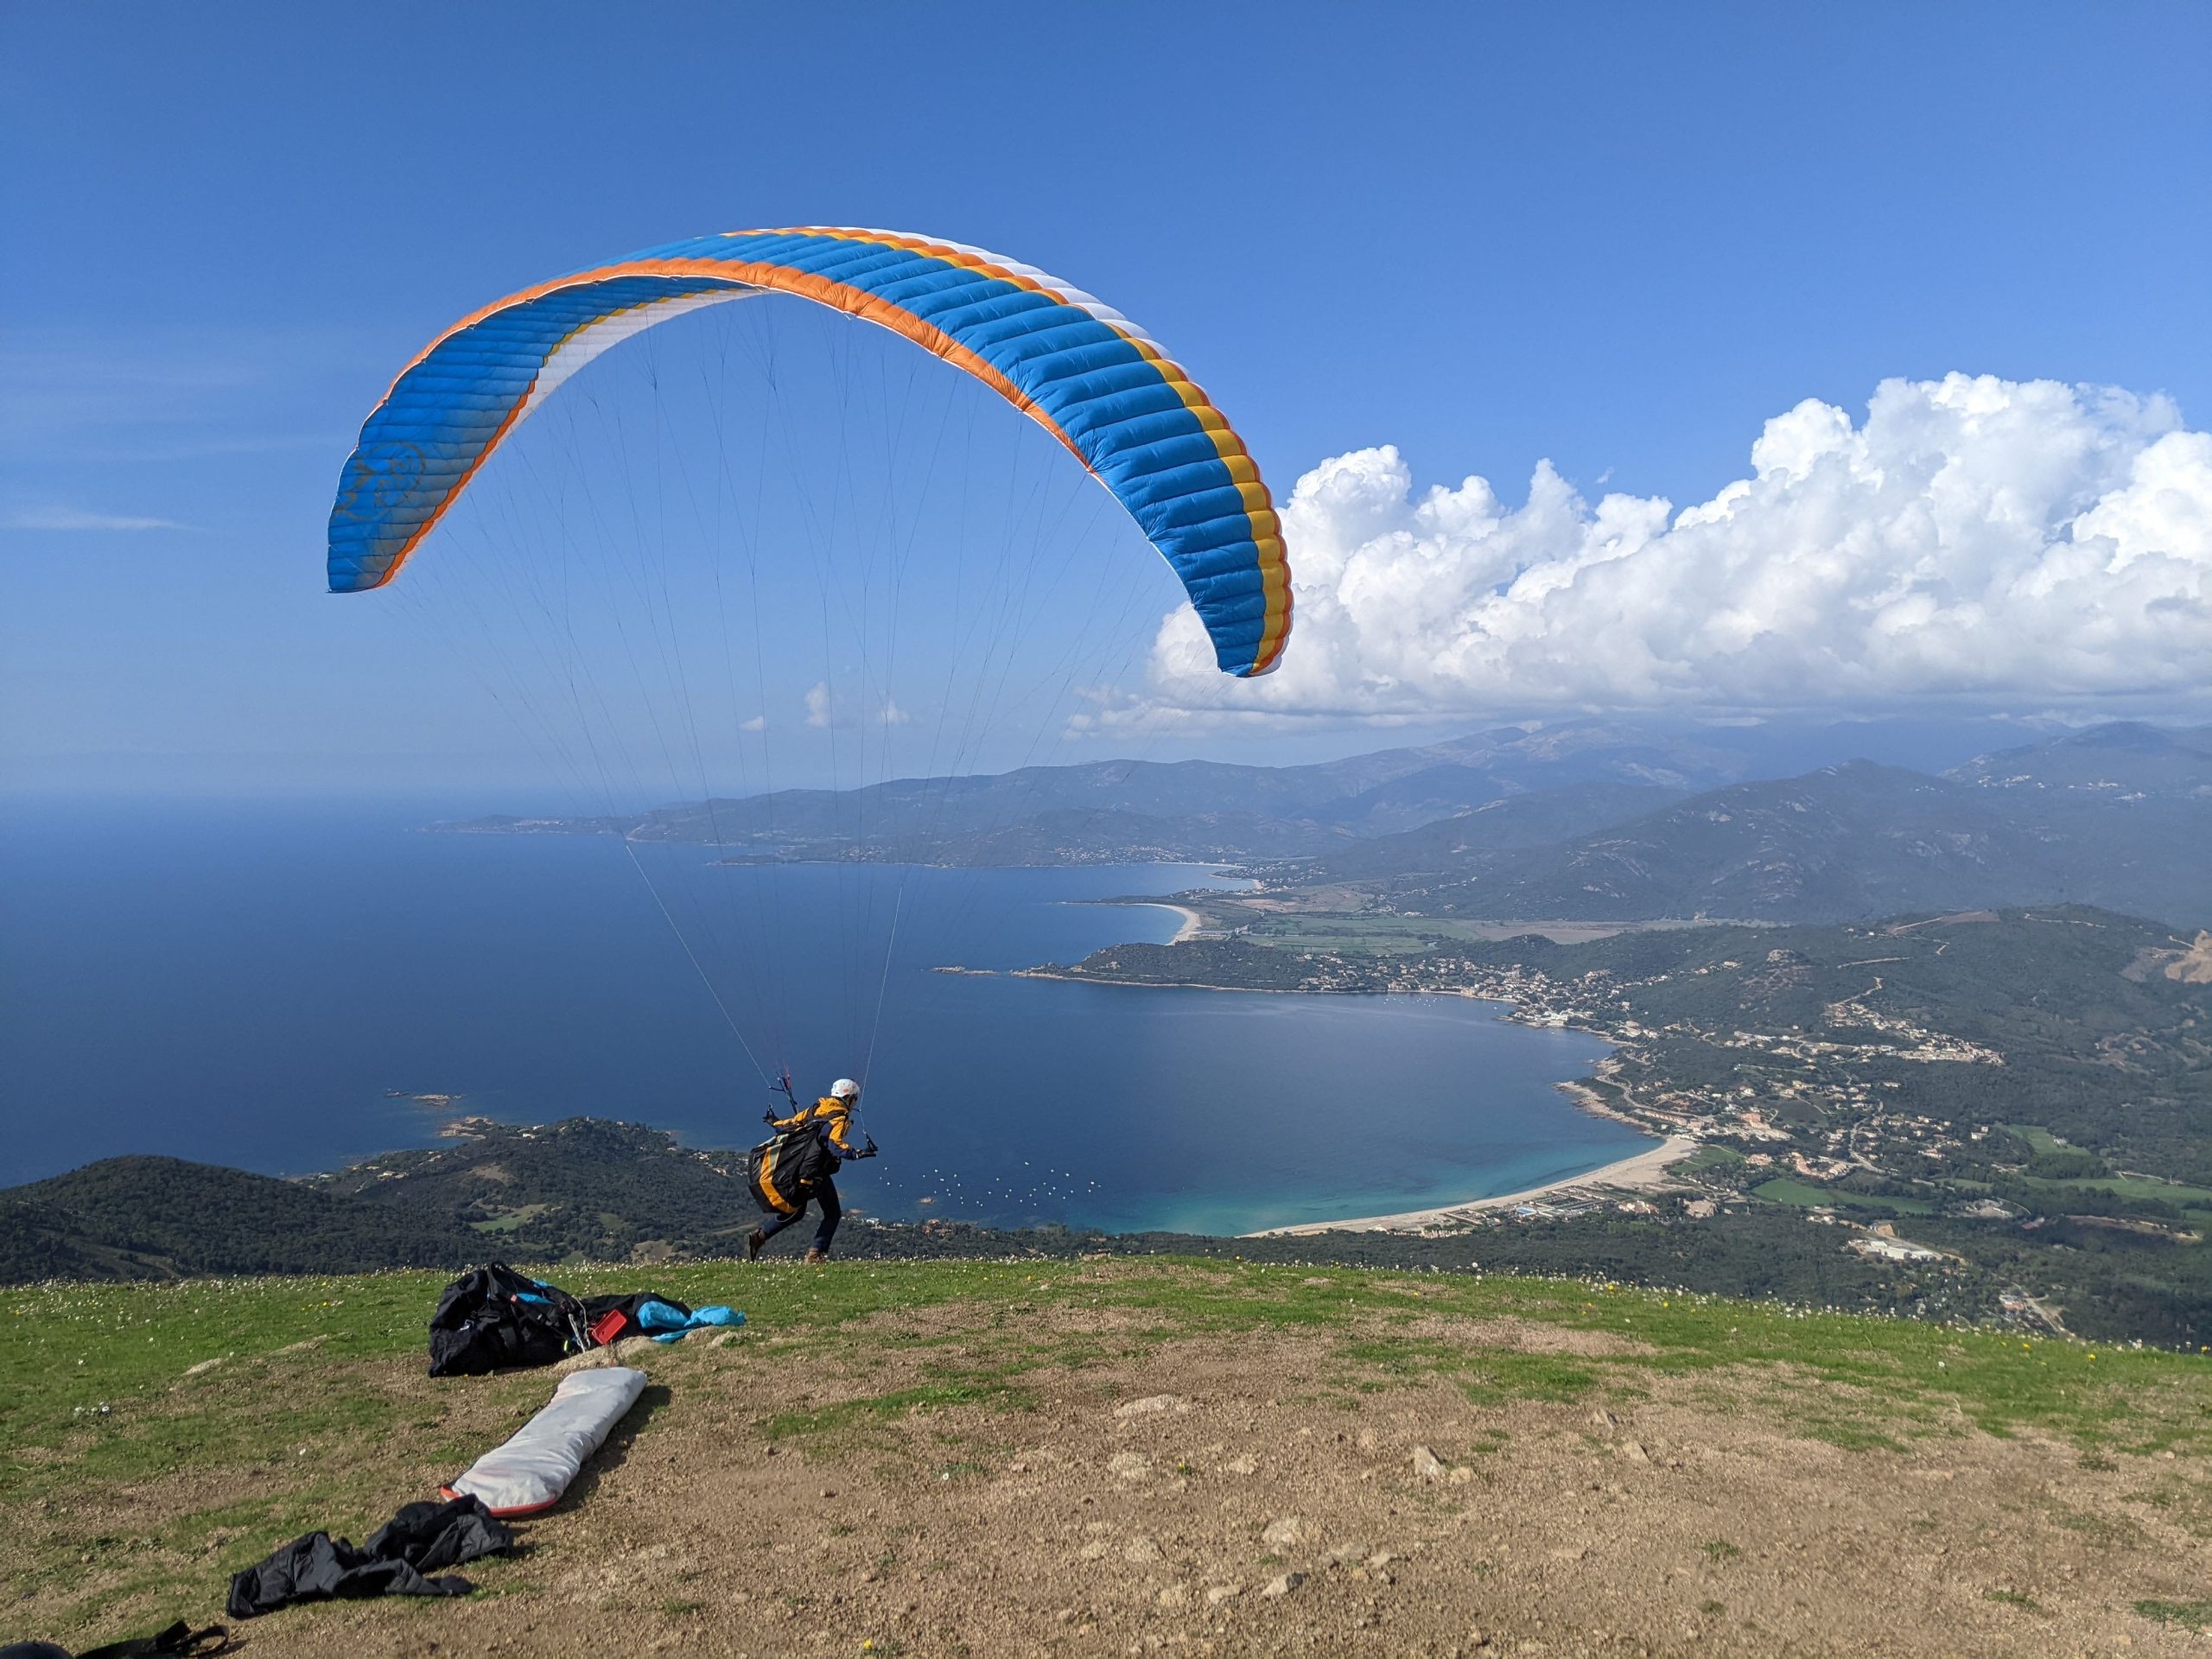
{"x": 1973, "y": 541}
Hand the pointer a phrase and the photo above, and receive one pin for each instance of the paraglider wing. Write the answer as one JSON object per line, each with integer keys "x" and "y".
{"x": 1083, "y": 371}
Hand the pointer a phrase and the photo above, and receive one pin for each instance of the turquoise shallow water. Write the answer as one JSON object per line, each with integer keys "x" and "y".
{"x": 244, "y": 986}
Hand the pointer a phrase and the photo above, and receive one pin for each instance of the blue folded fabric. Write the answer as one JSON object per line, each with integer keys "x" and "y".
{"x": 668, "y": 1325}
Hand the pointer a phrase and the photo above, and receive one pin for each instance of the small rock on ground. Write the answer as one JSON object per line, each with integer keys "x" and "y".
{"x": 1152, "y": 1403}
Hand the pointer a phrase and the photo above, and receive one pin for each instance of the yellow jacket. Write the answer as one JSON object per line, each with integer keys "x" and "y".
{"x": 833, "y": 1120}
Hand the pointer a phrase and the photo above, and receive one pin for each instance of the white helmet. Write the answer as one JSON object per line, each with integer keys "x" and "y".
{"x": 844, "y": 1088}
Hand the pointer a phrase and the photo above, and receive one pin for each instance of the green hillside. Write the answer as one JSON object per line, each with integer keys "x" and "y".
{"x": 584, "y": 1188}
{"x": 148, "y": 1217}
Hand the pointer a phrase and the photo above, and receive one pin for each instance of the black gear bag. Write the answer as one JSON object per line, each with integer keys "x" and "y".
{"x": 492, "y": 1317}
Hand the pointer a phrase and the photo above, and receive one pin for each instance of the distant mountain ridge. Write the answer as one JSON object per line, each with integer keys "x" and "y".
{"x": 1129, "y": 811}
{"x": 2115, "y": 816}
{"x": 1585, "y": 821}
{"x": 2124, "y": 758}
{"x": 1542, "y": 818}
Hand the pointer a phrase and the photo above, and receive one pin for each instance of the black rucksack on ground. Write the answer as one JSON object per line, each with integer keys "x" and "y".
{"x": 782, "y": 1171}
{"x": 492, "y": 1317}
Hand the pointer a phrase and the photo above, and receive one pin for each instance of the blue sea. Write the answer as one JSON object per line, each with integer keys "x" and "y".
{"x": 272, "y": 985}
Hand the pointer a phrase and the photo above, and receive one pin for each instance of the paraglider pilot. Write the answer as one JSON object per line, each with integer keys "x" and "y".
{"x": 830, "y": 1118}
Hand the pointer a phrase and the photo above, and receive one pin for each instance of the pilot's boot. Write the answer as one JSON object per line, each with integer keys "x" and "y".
{"x": 816, "y": 1256}
{"x": 755, "y": 1242}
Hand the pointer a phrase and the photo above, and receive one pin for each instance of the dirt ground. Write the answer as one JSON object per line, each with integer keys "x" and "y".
{"x": 1231, "y": 1496}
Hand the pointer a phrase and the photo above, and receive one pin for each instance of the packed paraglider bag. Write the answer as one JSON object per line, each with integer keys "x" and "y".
{"x": 492, "y": 1318}
{"x": 533, "y": 1468}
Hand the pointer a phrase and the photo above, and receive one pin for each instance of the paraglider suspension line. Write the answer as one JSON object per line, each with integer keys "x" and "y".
{"x": 882, "y": 984}
{"x": 697, "y": 966}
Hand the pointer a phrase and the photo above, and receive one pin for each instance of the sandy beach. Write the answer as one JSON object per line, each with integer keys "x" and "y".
{"x": 1190, "y": 920}
{"x": 1643, "y": 1173}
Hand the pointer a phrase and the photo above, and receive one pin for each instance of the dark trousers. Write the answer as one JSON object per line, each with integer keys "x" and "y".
{"x": 823, "y": 1192}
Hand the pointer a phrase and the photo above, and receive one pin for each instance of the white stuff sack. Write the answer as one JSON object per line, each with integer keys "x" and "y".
{"x": 531, "y": 1471}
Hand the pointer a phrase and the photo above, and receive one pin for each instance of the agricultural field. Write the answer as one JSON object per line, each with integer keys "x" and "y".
{"x": 1784, "y": 1190}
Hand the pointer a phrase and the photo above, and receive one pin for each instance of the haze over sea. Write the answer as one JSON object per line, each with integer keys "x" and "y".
{"x": 245, "y": 983}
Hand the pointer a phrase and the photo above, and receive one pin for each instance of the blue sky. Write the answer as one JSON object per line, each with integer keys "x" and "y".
{"x": 1620, "y": 238}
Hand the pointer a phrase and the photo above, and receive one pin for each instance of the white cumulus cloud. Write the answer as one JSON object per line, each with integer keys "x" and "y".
{"x": 76, "y": 519}
{"x": 826, "y": 709}
{"x": 1972, "y": 539}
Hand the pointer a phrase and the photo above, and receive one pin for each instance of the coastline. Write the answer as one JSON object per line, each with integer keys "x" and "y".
{"x": 1639, "y": 1173}
{"x": 1596, "y": 1104}
{"x": 1177, "y": 984}
{"x": 1192, "y": 922}
{"x": 1642, "y": 1171}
